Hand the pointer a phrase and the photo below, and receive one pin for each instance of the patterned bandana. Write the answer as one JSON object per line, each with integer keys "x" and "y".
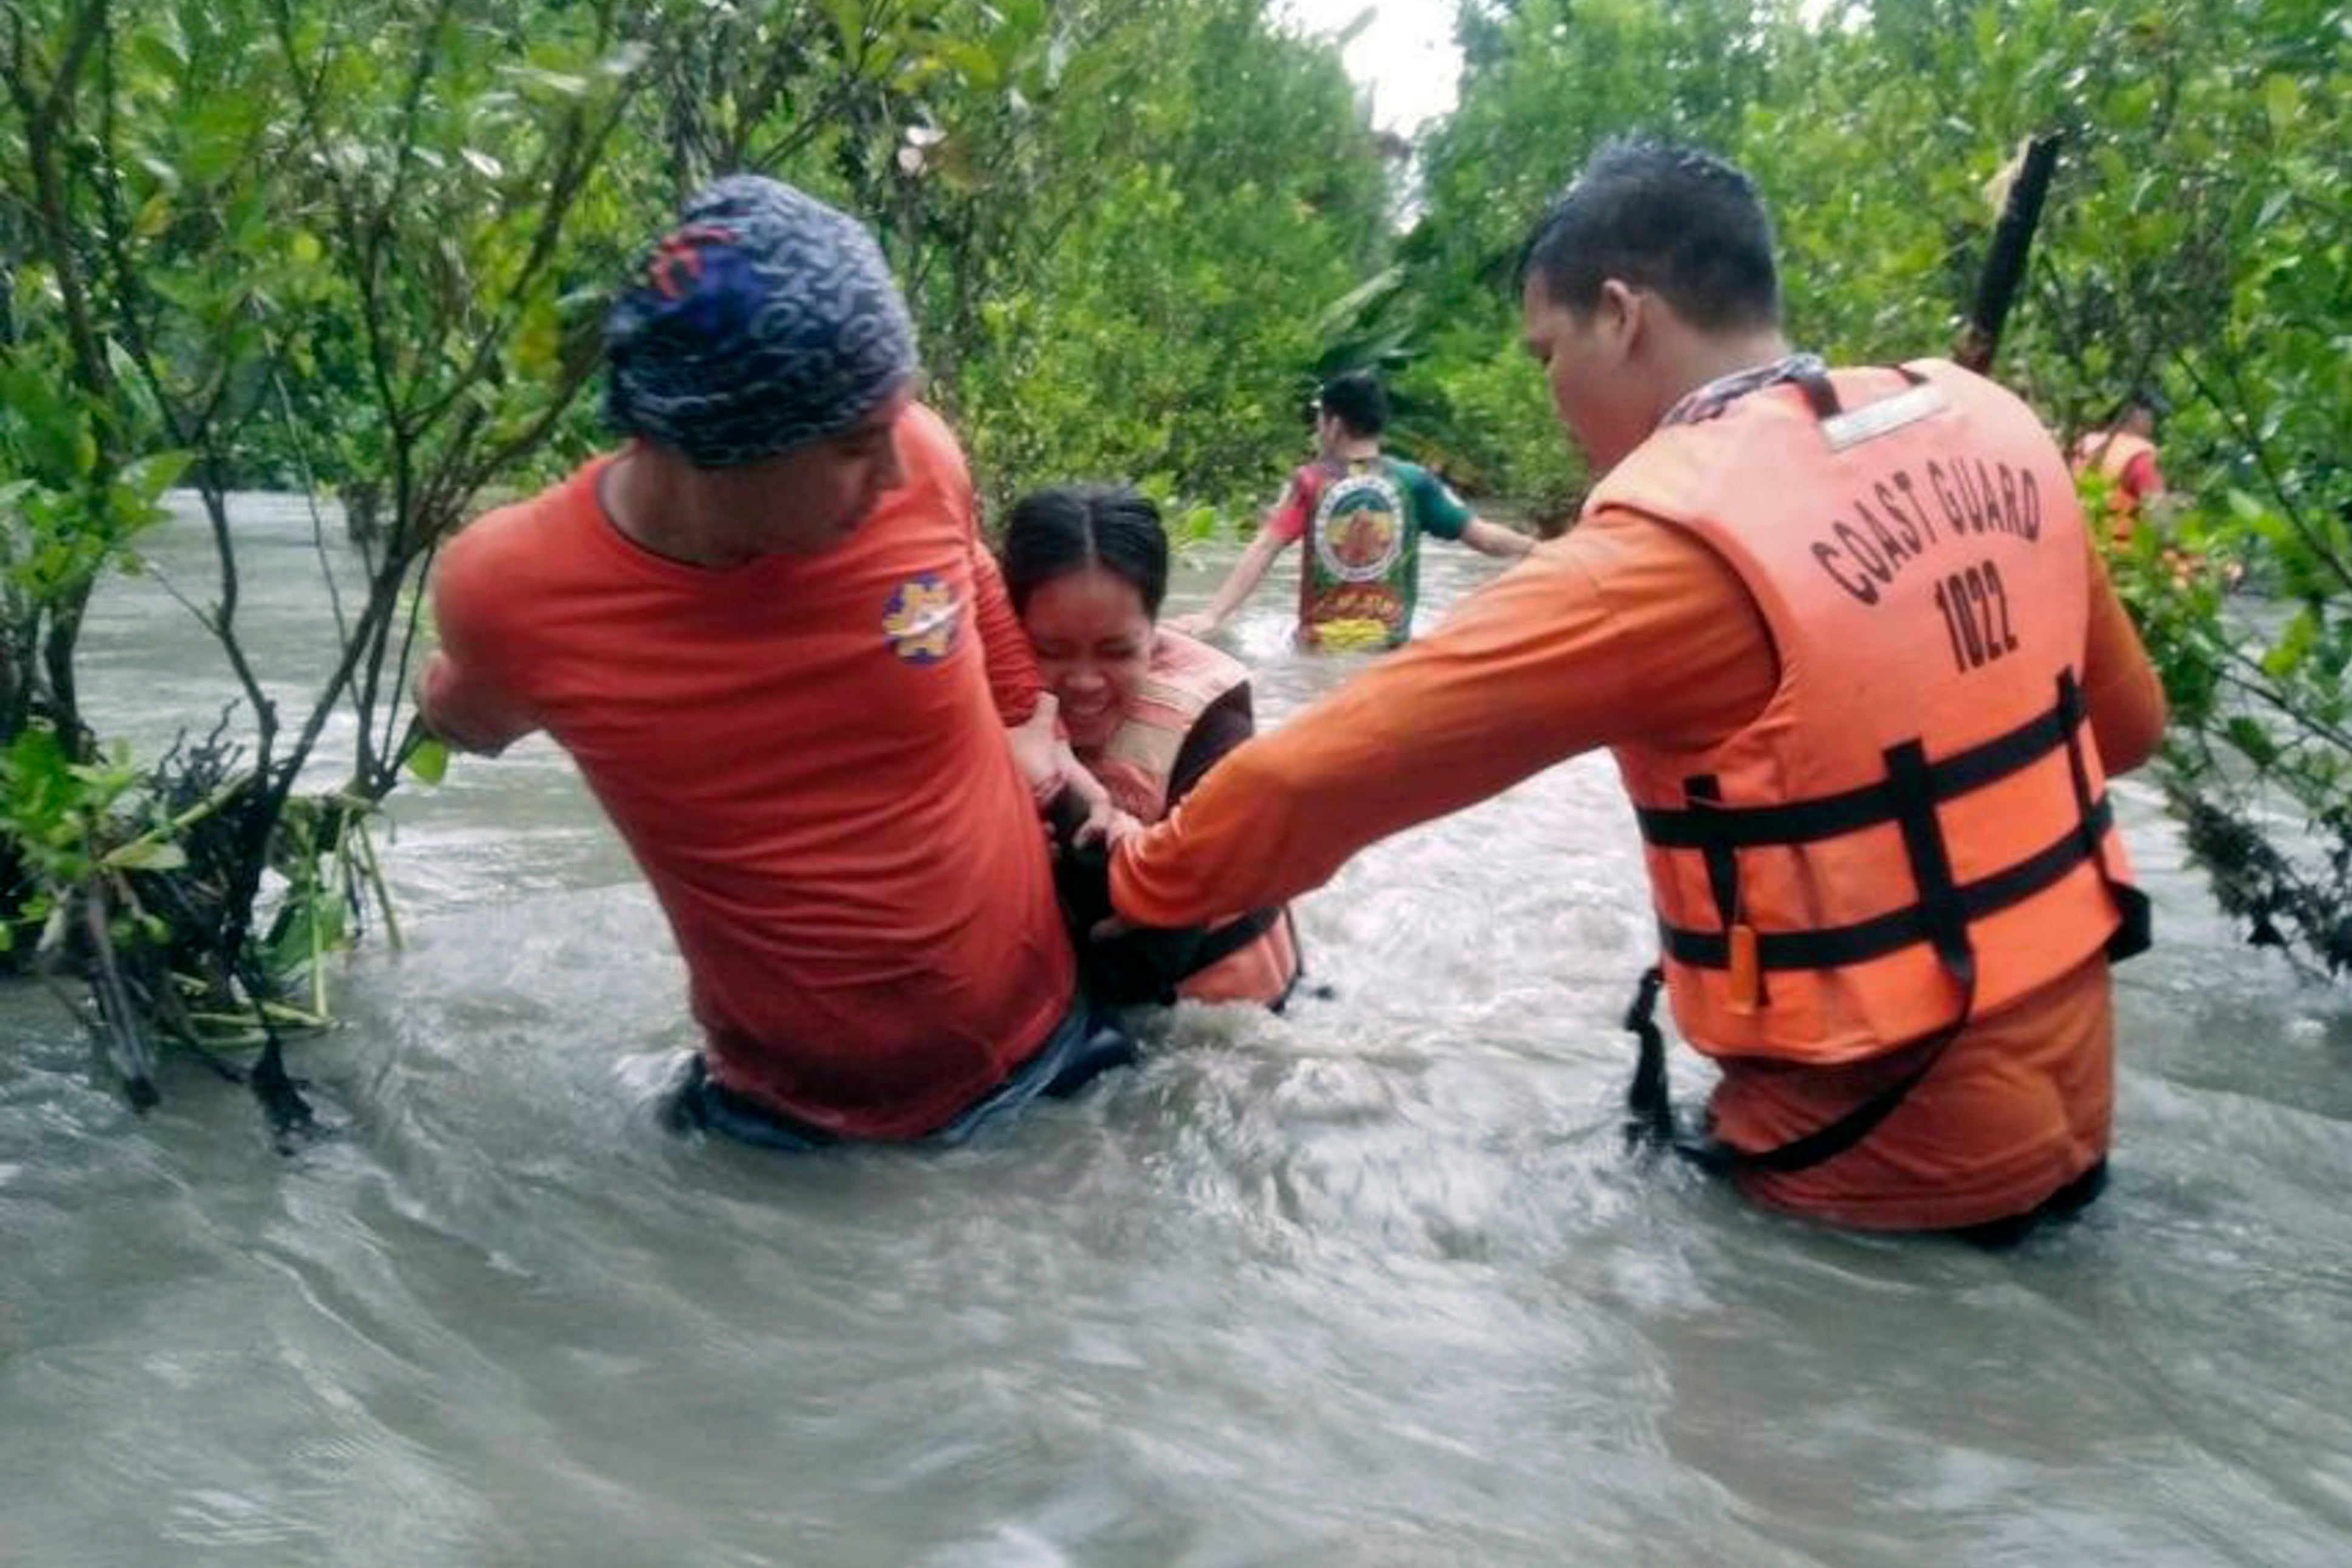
{"x": 764, "y": 321}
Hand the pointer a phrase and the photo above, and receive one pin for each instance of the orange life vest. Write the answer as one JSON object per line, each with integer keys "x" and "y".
{"x": 1915, "y": 829}
{"x": 2111, "y": 452}
{"x": 1136, "y": 764}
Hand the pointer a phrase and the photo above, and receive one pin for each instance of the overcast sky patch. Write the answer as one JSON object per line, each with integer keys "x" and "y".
{"x": 1406, "y": 55}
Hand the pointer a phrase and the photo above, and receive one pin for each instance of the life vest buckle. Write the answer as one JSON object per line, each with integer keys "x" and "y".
{"x": 1746, "y": 974}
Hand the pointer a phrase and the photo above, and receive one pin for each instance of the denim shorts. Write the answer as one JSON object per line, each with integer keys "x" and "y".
{"x": 1083, "y": 1044}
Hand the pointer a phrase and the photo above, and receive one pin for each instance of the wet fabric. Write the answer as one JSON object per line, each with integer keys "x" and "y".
{"x": 1628, "y": 629}
{"x": 1912, "y": 831}
{"x": 1191, "y": 709}
{"x": 1085, "y": 1045}
{"x": 2020, "y": 1104}
{"x": 807, "y": 756}
{"x": 1362, "y": 518}
{"x": 2064, "y": 1204}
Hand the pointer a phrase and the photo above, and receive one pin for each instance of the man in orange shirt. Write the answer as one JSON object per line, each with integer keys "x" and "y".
{"x": 768, "y": 635}
{"x": 1854, "y": 655}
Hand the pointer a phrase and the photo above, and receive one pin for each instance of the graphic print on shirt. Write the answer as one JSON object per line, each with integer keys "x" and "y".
{"x": 923, "y": 619}
{"x": 1359, "y": 530}
{"x": 1358, "y": 579}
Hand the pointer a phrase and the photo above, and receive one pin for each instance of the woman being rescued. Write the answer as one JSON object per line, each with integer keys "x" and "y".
{"x": 1149, "y": 710}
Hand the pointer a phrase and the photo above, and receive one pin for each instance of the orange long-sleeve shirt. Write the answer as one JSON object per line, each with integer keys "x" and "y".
{"x": 1625, "y": 629}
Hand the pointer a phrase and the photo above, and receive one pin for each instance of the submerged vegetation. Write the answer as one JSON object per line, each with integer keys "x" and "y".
{"x": 357, "y": 250}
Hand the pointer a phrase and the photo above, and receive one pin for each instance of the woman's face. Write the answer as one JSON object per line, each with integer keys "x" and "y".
{"x": 1093, "y": 641}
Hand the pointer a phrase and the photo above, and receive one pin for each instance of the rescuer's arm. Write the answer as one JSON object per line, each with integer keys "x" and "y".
{"x": 2120, "y": 689}
{"x": 1624, "y": 628}
{"x": 1238, "y": 585}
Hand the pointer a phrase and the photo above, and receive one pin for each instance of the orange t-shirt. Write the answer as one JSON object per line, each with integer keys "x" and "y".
{"x": 807, "y": 756}
{"x": 1627, "y": 629}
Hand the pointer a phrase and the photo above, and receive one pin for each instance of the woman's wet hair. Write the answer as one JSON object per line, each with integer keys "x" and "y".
{"x": 1681, "y": 223}
{"x": 1066, "y": 527}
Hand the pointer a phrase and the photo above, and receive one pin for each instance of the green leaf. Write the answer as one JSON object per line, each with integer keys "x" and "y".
{"x": 2251, "y": 738}
{"x": 848, "y": 19}
{"x": 429, "y": 759}
{"x": 974, "y": 62}
{"x": 2281, "y": 99}
{"x": 157, "y": 472}
{"x": 564, "y": 84}
{"x": 163, "y": 55}
{"x": 146, "y": 855}
{"x": 36, "y": 753}
{"x": 2294, "y": 644}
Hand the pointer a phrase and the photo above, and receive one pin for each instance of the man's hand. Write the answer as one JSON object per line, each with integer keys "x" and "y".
{"x": 1050, "y": 766}
{"x": 1106, "y": 824}
{"x": 1494, "y": 539}
{"x": 1197, "y": 624}
{"x": 1038, "y": 749}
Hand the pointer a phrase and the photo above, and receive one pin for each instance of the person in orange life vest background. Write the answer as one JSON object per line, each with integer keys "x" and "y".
{"x": 1361, "y": 514}
{"x": 1863, "y": 679}
{"x": 1148, "y": 710}
{"x": 768, "y": 633}
{"x": 2124, "y": 454}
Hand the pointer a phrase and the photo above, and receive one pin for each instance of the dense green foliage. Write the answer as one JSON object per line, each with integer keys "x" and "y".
{"x": 360, "y": 249}
{"x": 2196, "y": 239}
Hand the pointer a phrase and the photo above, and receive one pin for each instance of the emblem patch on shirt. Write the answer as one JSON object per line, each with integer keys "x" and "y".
{"x": 923, "y": 619}
{"x": 1359, "y": 528}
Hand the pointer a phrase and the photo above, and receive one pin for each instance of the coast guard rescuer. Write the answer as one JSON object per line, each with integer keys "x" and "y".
{"x": 768, "y": 635}
{"x": 1863, "y": 679}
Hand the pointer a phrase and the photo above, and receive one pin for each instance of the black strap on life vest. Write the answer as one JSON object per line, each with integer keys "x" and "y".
{"x": 1225, "y": 941}
{"x": 1907, "y": 795}
{"x": 1722, "y": 862}
{"x": 2136, "y": 930}
{"x": 1229, "y": 939}
{"x": 1297, "y": 967}
{"x": 1911, "y": 787}
{"x": 1834, "y": 816}
{"x": 1942, "y": 917}
{"x": 1651, "y": 1118}
{"x": 1649, "y": 1103}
